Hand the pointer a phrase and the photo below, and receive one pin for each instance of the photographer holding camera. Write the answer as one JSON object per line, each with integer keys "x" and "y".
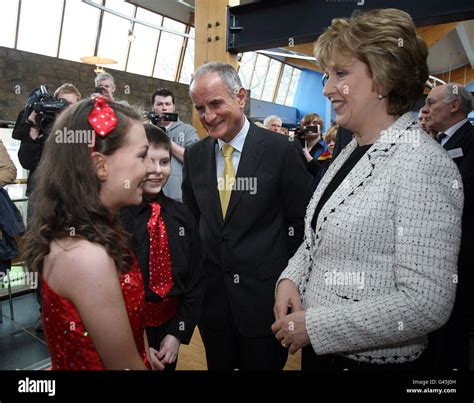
{"x": 32, "y": 128}
{"x": 181, "y": 135}
{"x": 35, "y": 120}
{"x": 105, "y": 85}
{"x": 315, "y": 149}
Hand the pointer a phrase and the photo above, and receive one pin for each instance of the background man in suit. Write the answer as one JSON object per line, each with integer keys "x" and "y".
{"x": 448, "y": 106}
{"x": 248, "y": 190}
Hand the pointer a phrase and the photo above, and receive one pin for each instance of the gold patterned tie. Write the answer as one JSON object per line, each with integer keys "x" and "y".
{"x": 228, "y": 178}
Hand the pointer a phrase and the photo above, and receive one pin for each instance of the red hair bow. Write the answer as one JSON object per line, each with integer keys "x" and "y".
{"x": 102, "y": 117}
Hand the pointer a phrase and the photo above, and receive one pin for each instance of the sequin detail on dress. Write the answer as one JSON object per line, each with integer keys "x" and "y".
{"x": 69, "y": 344}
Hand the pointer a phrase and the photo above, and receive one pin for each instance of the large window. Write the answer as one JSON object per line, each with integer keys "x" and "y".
{"x": 76, "y": 15}
{"x": 144, "y": 46}
{"x": 8, "y": 18}
{"x": 269, "y": 79}
{"x": 187, "y": 68}
{"x": 40, "y": 25}
{"x": 247, "y": 66}
{"x": 114, "y": 33}
{"x": 290, "y": 96}
{"x": 259, "y": 76}
{"x": 71, "y": 29}
{"x": 284, "y": 84}
{"x": 169, "y": 51}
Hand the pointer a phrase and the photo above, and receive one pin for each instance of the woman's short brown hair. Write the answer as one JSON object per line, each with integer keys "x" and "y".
{"x": 387, "y": 42}
{"x": 307, "y": 119}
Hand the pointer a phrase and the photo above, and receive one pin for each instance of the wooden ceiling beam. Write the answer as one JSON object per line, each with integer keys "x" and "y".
{"x": 434, "y": 33}
{"x": 304, "y": 48}
{"x": 462, "y": 75}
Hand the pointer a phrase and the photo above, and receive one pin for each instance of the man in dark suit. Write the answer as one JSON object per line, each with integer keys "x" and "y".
{"x": 448, "y": 106}
{"x": 248, "y": 189}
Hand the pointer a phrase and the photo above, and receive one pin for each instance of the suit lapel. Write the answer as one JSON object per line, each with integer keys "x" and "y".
{"x": 309, "y": 237}
{"x": 251, "y": 155}
{"x": 209, "y": 154}
{"x": 456, "y": 139}
{"x": 361, "y": 173}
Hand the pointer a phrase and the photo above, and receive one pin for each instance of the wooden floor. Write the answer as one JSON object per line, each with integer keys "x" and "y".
{"x": 193, "y": 357}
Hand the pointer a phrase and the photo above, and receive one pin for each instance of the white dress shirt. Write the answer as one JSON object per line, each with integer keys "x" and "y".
{"x": 453, "y": 129}
{"x": 237, "y": 143}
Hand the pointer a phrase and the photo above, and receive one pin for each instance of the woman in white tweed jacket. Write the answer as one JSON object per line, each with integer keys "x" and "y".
{"x": 377, "y": 269}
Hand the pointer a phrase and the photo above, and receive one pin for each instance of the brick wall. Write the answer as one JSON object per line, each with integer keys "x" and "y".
{"x": 21, "y": 72}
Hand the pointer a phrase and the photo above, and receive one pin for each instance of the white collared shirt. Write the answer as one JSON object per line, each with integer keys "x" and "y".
{"x": 237, "y": 143}
{"x": 453, "y": 129}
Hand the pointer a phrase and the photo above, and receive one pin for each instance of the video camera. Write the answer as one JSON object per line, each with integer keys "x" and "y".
{"x": 300, "y": 133}
{"x": 101, "y": 90}
{"x": 42, "y": 101}
{"x": 156, "y": 118}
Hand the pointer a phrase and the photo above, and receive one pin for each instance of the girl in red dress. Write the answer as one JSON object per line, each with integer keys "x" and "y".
{"x": 94, "y": 163}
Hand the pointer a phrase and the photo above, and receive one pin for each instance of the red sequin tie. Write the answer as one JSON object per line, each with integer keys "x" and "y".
{"x": 161, "y": 278}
